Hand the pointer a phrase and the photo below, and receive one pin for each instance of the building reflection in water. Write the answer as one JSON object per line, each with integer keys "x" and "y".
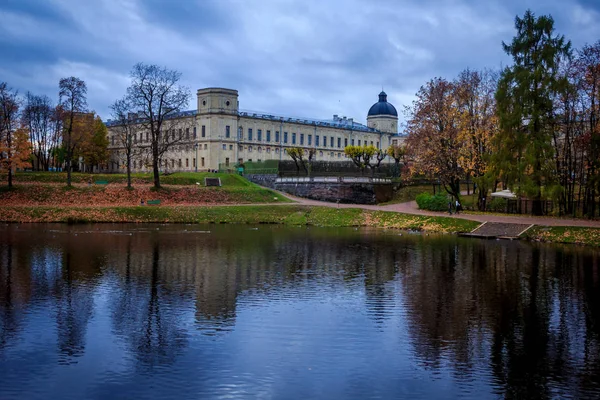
{"x": 521, "y": 318}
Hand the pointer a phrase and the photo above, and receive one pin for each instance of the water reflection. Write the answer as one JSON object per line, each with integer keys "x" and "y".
{"x": 145, "y": 311}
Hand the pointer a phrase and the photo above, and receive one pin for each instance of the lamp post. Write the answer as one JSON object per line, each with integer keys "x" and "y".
{"x": 196, "y": 147}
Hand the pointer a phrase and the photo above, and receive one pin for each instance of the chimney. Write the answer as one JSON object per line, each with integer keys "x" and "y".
{"x": 335, "y": 117}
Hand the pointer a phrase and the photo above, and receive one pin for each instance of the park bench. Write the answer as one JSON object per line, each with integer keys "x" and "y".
{"x": 101, "y": 182}
{"x": 153, "y": 202}
{"x": 212, "y": 181}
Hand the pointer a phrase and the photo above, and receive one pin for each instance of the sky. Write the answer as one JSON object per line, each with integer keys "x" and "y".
{"x": 305, "y": 58}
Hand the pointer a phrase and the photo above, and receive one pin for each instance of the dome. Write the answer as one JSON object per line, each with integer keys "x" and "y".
{"x": 382, "y": 107}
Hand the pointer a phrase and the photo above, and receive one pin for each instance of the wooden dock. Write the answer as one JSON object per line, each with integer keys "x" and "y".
{"x": 498, "y": 230}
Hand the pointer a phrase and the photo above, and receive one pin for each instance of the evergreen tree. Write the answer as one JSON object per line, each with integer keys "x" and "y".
{"x": 525, "y": 106}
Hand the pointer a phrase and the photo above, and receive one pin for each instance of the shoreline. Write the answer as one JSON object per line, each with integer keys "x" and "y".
{"x": 283, "y": 214}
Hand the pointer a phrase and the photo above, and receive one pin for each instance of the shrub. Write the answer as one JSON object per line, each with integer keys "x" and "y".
{"x": 437, "y": 202}
{"x": 497, "y": 205}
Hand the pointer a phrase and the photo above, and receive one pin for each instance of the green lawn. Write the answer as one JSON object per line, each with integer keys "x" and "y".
{"x": 177, "y": 178}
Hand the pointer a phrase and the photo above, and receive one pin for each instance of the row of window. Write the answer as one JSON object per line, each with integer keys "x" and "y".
{"x": 300, "y": 139}
{"x": 170, "y": 134}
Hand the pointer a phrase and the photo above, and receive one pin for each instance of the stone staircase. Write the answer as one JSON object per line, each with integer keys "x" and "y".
{"x": 498, "y": 230}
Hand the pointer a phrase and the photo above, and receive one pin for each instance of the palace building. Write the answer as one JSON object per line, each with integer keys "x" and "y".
{"x": 218, "y": 134}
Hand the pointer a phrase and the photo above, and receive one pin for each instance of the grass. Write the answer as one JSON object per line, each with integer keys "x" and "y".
{"x": 409, "y": 193}
{"x": 177, "y": 178}
{"x": 284, "y": 214}
{"x": 565, "y": 234}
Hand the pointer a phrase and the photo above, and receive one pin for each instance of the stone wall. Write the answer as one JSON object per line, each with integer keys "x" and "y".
{"x": 344, "y": 192}
{"x": 349, "y": 193}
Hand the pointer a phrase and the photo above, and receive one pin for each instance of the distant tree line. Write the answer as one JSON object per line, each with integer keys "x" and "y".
{"x": 38, "y": 134}
{"x": 533, "y": 127}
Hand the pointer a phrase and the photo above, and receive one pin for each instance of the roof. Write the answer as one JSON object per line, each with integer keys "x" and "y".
{"x": 382, "y": 107}
{"x": 340, "y": 123}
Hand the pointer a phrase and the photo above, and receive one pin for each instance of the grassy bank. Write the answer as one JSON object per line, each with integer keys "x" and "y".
{"x": 565, "y": 234}
{"x": 284, "y": 214}
{"x": 44, "y": 189}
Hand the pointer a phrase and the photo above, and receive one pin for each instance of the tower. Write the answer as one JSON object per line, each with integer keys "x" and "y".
{"x": 383, "y": 116}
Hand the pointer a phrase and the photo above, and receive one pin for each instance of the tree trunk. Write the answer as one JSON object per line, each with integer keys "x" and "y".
{"x": 155, "y": 168}
{"x": 128, "y": 171}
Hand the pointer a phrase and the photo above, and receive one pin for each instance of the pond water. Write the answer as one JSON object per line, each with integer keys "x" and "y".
{"x": 191, "y": 311}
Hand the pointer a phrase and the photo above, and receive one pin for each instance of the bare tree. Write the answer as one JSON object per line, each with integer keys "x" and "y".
{"x": 72, "y": 98}
{"x": 125, "y": 131}
{"x": 9, "y": 116}
{"x": 158, "y": 98}
{"x": 38, "y": 118}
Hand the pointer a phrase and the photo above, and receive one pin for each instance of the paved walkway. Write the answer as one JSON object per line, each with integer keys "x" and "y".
{"x": 411, "y": 208}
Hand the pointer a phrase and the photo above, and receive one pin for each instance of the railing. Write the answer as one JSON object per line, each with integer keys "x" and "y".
{"x": 332, "y": 179}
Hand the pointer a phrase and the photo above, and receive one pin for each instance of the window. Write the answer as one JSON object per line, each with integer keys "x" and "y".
{"x": 339, "y": 142}
{"x": 179, "y": 163}
{"x": 187, "y": 133}
{"x": 240, "y": 133}
{"x": 194, "y": 134}
{"x": 205, "y": 146}
{"x": 224, "y": 147}
{"x": 187, "y": 162}
{"x": 113, "y": 140}
{"x": 352, "y": 142}
{"x": 227, "y": 131}
{"x": 147, "y": 136}
{"x": 324, "y": 141}
{"x": 302, "y": 139}
{"x": 317, "y": 140}
{"x": 268, "y": 149}
{"x": 202, "y": 161}
{"x": 359, "y": 142}
{"x": 173, "y": 132}
{"x": 203, "y": 130}
{"x": 249, "y": 133}
{"x": 134, "y": 138}
{"x": 345, "y": 142}
{"x": 277, "y": 136}
{"x": 230, "y": 147}
{"x": 249, "y": 149}
{"x": 331, "y": 141}
{"x": 285, "y": 137}
{"x": 321, "y": 153}
{"x": 371, "y": 143}
{"x": 172, "y": 163}
{"x": 180, "y": 133}
{"x": 339, "y": 155}
{"x": 227, "y": 162}
{"x": 259, "y": 135}
{"x": 194, "y": 162}
{"x": 276, "y": 150}
{"x": 309, "y": 140}
{"x": 377, "y": 144}
{"x": 260, "y": 149}
{"x": 268, "y": 136}
{"x": 293, "y": 138}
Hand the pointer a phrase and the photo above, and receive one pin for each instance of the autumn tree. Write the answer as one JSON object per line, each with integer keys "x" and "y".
{"x": 476, "y": 105}
{"x": 434, "y": 137}
{"x": 362, "y": 156}
{"x": 157, "y": 96}
{"x": 9, "y": 119}
{"x": 525, "y": 104}
{"x": 37, "y": 116}
{"x": 398, "y": 153}
{"x": 587, "y": 69}
{"x": 93, "y": 145}
{"x": 301, "y": 156}
{"x": 72, "y": 98}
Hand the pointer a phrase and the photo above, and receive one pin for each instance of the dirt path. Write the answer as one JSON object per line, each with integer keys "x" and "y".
{"x": 411, "y": 208}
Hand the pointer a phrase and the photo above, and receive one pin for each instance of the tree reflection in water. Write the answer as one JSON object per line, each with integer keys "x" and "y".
{"x": 521, "y": 320}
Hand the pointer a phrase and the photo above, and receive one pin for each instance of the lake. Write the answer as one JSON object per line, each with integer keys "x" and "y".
{"x": 235, "y": 311}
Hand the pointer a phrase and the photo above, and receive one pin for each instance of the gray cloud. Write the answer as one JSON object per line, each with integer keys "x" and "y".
{"x": 302, "y": 58}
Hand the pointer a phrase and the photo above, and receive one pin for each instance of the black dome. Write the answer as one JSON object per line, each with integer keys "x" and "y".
{"x": 382, "y": 107}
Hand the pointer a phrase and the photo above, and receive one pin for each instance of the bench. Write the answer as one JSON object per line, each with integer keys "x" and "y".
{"x": 212, "y": 181}
{"x": 101, "y": 182}
{"x": 153, "y": 202}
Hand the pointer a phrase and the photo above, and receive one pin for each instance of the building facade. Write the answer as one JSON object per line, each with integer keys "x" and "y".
{"x": 219, "y": 134}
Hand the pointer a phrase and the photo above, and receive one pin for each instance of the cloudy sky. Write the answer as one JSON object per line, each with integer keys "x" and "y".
{"x": 309, "y": 58}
